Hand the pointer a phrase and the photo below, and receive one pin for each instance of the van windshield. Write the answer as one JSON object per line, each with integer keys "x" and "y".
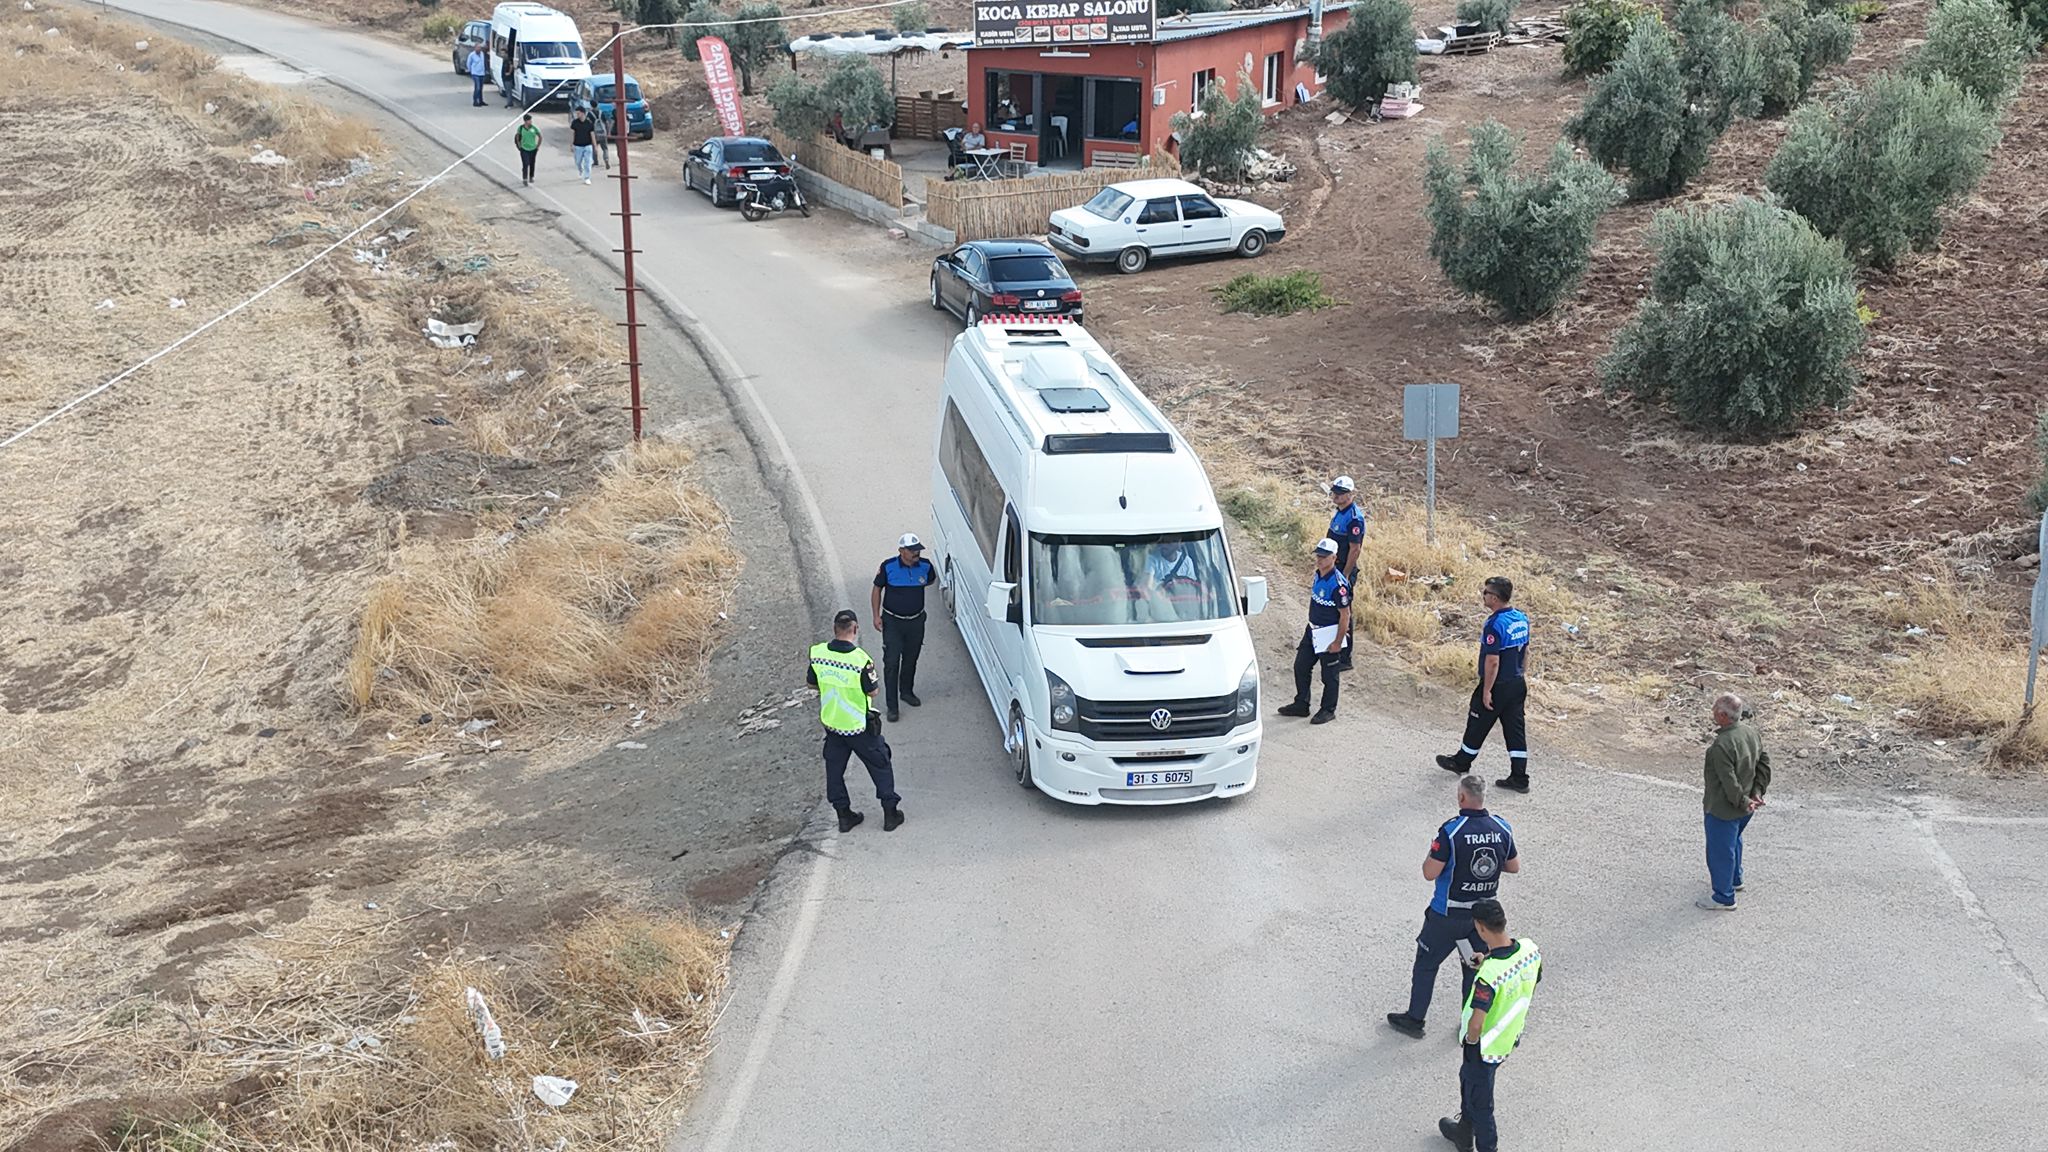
{"x": 551, "y": 51}
{"x": 1125, "y": 580}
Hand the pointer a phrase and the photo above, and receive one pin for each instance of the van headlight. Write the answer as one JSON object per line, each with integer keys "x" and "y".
{"x": 1248, "y": 694}
{"x": 1065, "y": 706}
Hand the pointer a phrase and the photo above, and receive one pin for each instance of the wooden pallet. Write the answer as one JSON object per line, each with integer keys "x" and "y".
{"x": 1468, "y": 45}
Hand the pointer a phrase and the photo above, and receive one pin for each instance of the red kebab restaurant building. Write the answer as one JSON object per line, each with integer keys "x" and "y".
{"x": 1073, "y": 80}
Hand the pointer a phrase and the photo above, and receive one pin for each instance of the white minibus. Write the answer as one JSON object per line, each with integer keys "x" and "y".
{"x": 536, "y": 53}
{"x": 1081, "y": 552}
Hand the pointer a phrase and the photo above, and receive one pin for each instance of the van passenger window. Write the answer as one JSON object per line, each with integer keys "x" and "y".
{"x": 1013, "y": 558}
{"x": 973, "y": 482}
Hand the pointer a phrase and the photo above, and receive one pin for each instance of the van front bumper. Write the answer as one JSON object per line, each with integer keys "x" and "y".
{"x": 1078, "y": 772}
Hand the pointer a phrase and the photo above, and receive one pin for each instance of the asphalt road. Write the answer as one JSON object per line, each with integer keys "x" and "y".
{"x": 1005, "y": 972}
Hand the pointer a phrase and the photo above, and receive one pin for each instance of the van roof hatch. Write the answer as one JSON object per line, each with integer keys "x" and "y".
{"x": 1074, "y": 399}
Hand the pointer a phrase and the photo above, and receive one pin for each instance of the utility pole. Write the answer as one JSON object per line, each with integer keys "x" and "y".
{"x": 622, "y": 130}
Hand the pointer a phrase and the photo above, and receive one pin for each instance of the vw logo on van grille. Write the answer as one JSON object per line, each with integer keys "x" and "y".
{"x": 1162, "y": 719}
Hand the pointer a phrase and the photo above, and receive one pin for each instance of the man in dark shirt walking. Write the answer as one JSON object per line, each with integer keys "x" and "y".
{"x": 582, "y": 141}
{"x": 897, "y": 605}
{"x": 1502, "y": 691}
{"x": 1466, "y": 861}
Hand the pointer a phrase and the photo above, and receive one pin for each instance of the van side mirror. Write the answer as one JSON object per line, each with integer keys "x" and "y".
{"x": 1254, "y": 595}
{"x": 999, "y": 607}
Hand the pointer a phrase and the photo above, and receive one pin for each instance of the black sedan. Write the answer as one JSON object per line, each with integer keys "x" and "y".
{"x": 714, "y": 166}
{"x": 1004, "y": 277}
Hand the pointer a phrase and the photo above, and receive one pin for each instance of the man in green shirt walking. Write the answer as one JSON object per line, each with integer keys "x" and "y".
{"x": 527, "y": 137}
{"x": 1738, "y": 775}
{"x": 1496, "y": 1010}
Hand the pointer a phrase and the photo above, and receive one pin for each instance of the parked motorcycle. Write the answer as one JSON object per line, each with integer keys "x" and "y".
{"x": 765, "y": 192}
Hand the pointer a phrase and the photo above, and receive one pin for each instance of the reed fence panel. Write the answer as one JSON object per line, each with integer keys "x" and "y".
{"x": 985, "y": 209}
{"x": 882, "y": 179}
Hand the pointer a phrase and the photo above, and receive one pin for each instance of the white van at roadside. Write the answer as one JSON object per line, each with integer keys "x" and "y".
{"x": 547, "y": 53}
{"x": 1081, "y": 552}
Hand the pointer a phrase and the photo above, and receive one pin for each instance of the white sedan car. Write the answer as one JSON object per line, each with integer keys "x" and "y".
{"x": 1133, "y": 222}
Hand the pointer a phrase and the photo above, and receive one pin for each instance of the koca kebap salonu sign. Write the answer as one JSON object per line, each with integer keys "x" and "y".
{"x": 999, "y": 23}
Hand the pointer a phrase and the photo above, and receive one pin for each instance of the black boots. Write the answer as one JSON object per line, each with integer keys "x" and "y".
{"x": 1405, "y": 1024}
{"x": 1513, "y": 782}
{"x": 892, "y": 819}
{"x": 1294, "y": 709}
{"x": 1456, "y": 1131}
{"x": 1456, "y": 764}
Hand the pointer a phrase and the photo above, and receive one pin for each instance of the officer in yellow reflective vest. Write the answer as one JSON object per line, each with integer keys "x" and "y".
{"x": 1495, "y": 1011}
{"x": 845, "y": 678}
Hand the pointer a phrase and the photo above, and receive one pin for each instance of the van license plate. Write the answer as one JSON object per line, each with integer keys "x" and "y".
{"x": 1153, "y": 779}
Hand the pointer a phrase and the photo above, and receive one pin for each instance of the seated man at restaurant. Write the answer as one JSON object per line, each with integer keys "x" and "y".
{"x": 963, "y": 164}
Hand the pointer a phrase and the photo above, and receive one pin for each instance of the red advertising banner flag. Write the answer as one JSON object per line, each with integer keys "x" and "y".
{"x": 725, "y": 87}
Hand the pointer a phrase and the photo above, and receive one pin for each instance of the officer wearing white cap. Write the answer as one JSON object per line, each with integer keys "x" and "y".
{"x": 1329, "y": 614}
{"x": 1347, "y": 528}
{"x": 897, "y": 605}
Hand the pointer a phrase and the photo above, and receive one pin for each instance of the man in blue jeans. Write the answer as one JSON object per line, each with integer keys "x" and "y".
{"x": 478, "y": 67}
{"x": 1738, "y": 774}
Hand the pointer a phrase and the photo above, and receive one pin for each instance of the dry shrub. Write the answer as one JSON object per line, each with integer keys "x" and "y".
{"x": 360, "y": 1055}
{"x": 620, "y": 594}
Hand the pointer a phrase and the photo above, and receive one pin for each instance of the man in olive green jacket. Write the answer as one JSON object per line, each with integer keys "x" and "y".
{"x": 1738, "y": 775}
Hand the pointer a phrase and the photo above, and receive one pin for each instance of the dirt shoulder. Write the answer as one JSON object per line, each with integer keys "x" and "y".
{"x": 226, "y": 866}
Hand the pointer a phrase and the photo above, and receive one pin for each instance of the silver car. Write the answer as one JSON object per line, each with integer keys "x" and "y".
{"x": 475, "y": 34}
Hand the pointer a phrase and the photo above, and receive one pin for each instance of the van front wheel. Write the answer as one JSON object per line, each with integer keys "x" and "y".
{"x": 1018, "y": 741}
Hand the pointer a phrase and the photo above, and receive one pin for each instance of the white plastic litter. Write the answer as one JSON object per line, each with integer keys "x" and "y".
{"x": 177, "y": 302}
{"x": 553, "y": 1090}
{"x": 494, "y": 1040}
{"x": 269, "y": 159}
{"x": 452, "y": 335}
{"x": 630, "y": 746}
{"x": 142, "y": 45}
{"x": 104, "y": 306}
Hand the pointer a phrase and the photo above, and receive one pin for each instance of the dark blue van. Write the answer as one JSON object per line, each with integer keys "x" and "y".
{"x": 598, "y": 91}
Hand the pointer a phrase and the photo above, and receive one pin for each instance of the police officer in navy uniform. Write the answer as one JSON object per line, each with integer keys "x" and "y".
{"x": 1347, "y": 528}
{"x": 1322, "y": 642}
{"x": 898, "y": 610}
{"x": 1502, "y": 691}
{"x": 1466, "y": 860}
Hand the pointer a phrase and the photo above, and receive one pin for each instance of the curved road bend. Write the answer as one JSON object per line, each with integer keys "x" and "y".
{"x": 1005, "y": 972}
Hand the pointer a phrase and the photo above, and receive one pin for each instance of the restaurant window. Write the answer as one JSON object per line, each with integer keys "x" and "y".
{"x": 1011, "y": 101}
{"x": 1203, "y": 79}
{"x": 1273, "y": 70}
{"x": 1115, "y": 104}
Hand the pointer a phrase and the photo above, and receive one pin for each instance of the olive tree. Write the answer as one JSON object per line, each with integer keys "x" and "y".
{"x": 1876, "y": 168}
{"x": 1220, "y": 140}
{"x": 1750, "y": 323}
{"x": 1519, "y": 239}
{"x": 1374, "y": 49}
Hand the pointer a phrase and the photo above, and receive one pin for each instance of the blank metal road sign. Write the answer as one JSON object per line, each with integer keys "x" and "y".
{"x": 1429, "y": 411}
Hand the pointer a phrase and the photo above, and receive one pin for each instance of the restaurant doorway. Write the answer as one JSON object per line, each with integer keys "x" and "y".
{"x": 1059, "y": 134}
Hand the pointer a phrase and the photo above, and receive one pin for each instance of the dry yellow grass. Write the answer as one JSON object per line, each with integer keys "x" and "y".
{"x": 620, "y": 594}
{"x": 1417, "y": 600}
{"x": 356, "y": 1055}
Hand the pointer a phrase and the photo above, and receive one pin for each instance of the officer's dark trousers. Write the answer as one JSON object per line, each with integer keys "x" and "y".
{"x": 902, "y": 640}
{"x": 1508, "y": 699}
{"x": 1475, "y": 1099}
{"x": 1351, "y": 633}
{"x": 1438, "y": 941}
{"x": 1305, "y": 658}
{"x": 873, "y": 752}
